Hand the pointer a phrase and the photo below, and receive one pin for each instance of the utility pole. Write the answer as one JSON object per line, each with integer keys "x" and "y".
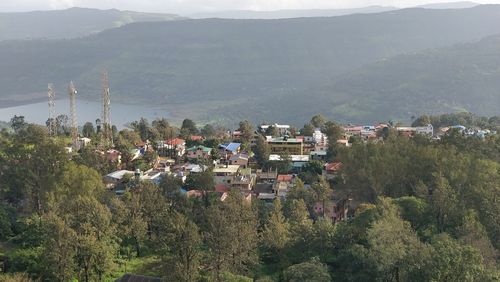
{"x": 72, "y": 108}
{"x": 107, "y": 136}
{"x": 52, "y": 111}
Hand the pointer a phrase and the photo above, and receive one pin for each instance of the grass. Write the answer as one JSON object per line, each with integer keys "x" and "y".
{"x": 148, "y": 266}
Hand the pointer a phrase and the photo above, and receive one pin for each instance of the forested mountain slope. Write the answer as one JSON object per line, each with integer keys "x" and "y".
{"x": 229, "y": 69}
{"x": 70, "y": 23}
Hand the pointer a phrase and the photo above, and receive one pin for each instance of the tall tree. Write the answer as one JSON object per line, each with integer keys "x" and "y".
{"x": 232, "y": 236}
{"x": 188, "y": 128}
{"x": 262, "y": 151}
{"x": 276, "y": 233}
{"x": 88, "y": 130}
{"x": 182, "y": 249}
{"x": 59, "y": 249}
{"x": 247, "y": 131}
{"x": 318, "y": 121}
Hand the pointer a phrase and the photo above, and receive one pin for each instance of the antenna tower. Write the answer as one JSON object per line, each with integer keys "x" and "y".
{"x": 106, "y": 121}
{"x": 52, "y": 110}
{"x": 72, "y": 108}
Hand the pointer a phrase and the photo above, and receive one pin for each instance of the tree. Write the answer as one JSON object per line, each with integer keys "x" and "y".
{"x": 17, "y": 123}
{"x": 318, "y": 121}
{"x": 142, "y": 128}
{"x": 59, "y": 249}
{"x": 62, "y": 125}
{"x": 95, "y": 240}
{"x": 262, "y": 151}
{"x": 307, "y": 130}
{"x": 452, "y": 261}
{"x": 332, "y": 130}
{"x": 300, "y": 231}
{"x": 163, "y": 128}
{"x": 247, "y": 131}
{"x": 182, "y": 251}
{"x": 444, "y": 205}
{"x": 473, "y": 233}
{"x": 208, "y": 131}
{"x": 310, "y": 271}
{"x": 188, "y": 128}
{"x": 231, "y": 236}
{"x": 394, "y": 245}
{"x": 272, "y": 131}
{"x": 88, "y": 130}
{"x": 321, "y": 192}
{"x": 276, "y": 233}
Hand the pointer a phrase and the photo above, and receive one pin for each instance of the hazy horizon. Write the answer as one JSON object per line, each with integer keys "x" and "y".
{"x": 196, "y": 6}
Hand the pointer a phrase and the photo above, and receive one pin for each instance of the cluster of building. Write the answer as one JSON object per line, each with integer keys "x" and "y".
{"x": 234, "y": 168}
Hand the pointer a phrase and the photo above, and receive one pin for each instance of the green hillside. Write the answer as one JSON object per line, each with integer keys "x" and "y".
{"x": 70, "y": 23}
{"x": 461, "y": 78}
{"x": 228, "y": 70}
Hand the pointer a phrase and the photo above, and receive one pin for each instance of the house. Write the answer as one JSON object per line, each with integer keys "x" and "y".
{"x": 332, "y": 169}
{"x": 176, "y": 147}
{"x": 281, "y": 128}
{"x": 199, "y": 152}
{"x": 243, "y": 181}
{"x": 164, "y": 163}
{"x": 82, "y": 142}
{"x": 298, "y": 161}
{"x": 239, "y": 159}
{"x": 194, "y": 194}
{"x": 247, "y": 197}
{"x": 285, "y": 145}
{"x": 320, "y": 140}
{"x": 228, "y": 150}
{"x": 151, "y": 175}
{"x": 197, "y": 138}
{"x": 411, "y": 131}
{"x": 136, "y": 153}
{"x": 117, "y": 177}
{"x": 335, "y": 210}
{"x": 266, "y": 176}
{"x": 353, "y": 130}
{"x": 114, "y": 156}
{"x": 283, "y": 184}
{"x": 318, "y": 155}
{"x": 236, "y": 135}
{"x": 224, "y": 174}
{"x": 344, "y": 142}
{"x": 264, "y": 191}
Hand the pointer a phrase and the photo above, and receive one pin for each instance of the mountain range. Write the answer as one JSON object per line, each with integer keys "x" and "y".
{"x": 356, "y": 68}
{"x": 70, "y": 23}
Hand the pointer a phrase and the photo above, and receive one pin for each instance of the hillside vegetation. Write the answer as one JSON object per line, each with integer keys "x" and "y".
{"x": 224, "y": 70}
{"x": 70, "y": 23}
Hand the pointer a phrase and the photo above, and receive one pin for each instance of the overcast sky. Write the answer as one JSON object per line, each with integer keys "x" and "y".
{"x": 191, "y": 6}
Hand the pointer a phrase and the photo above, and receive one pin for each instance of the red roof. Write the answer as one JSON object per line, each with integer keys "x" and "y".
{"x": 194, "y": 193}
{"x": 176, "y": 142}
{"x": 196, "y": 138}
{"x": 333, "y": 166}
{"x": 221, "y": 188}
{"x": 285, "y": 178}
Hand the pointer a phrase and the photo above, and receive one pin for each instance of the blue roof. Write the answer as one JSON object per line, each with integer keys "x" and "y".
{"x": 232, "y": 147}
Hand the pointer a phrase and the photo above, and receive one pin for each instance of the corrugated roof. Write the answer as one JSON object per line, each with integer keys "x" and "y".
{"x": 232, "y": 147}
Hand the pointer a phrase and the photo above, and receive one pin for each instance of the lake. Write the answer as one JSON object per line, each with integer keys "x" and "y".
{"x": 121, "y": 114}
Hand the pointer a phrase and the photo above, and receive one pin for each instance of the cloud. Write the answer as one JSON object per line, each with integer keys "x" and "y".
{"x": 188, "y": 6}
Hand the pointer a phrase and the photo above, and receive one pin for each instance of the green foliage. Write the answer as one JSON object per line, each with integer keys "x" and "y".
{"x": 328, "y": 49}
{"x": 311, "y": 271}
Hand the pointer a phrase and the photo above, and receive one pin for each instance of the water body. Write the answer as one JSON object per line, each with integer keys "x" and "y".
{"x": 121, "y": 114}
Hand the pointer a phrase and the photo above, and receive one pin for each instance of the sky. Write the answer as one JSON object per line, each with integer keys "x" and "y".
{"x": 194, "y": 6}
